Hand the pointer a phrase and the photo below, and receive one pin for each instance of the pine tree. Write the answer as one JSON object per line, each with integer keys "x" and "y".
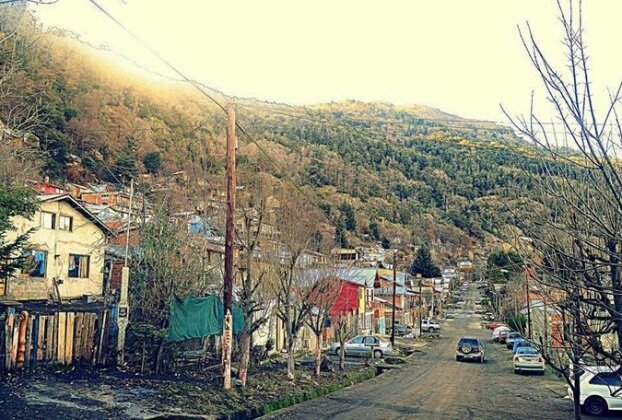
{"x": 340, "y": 235}
{"x": 152, "y": 162}
{"x": 348, "y": 217}
{"x": 424, "y": 265}
{"x": 14, "y": 202}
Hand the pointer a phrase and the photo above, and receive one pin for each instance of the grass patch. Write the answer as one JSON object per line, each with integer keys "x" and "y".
{"x": 349, "y": 380}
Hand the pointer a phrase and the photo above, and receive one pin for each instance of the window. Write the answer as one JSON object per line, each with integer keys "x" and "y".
{"x": 371, "y": 341}
{"x": 78, "y": 266}
{"x": 607, "y": 378}
{"x": 38, "y": 263}
{"x": 48, "y": 220}
{"x": 357, "y": 340}
{"x": 65, "y": 223}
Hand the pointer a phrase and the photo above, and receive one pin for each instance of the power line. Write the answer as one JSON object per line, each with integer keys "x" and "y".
{"x": 197, "y": 86}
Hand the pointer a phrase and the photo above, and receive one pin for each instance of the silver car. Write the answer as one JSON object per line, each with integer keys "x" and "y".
{"x": 363, "y": 345}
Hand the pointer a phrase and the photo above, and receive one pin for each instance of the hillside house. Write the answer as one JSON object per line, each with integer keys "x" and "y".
{"x": 68, "y": 245}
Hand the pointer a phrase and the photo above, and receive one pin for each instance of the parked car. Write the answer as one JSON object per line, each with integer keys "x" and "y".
{"x": 503, "y": 335}
{"x": 494, "y": 325}
{"x": 400, "y": 330}
{"x": 601, "y": 389}
{"x": 496, "y": 331}
{"x": 489, "y": 316}
{"x": 450, "y": 315}
{"x": 430, "y": 325}
{"x": 528, "y": 359}
{"x": 362, "y": 345}
{"x": 519, "y": 344}
{"x": 512, "y": 336}
{"x": 470, "y": 349}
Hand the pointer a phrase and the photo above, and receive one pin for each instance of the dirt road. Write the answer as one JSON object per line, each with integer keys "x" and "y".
{"x": 435, "y": 386}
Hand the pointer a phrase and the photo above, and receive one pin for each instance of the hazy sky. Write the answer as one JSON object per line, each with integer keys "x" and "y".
{"x": 464, "y": 57}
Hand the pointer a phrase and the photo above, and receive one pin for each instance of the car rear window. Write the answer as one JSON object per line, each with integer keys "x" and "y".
{"x": 471, "y": 341}
{"x": 527, "y": 350}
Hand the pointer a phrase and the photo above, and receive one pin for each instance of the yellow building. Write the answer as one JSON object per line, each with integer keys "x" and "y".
{"x": 67, "y": 248}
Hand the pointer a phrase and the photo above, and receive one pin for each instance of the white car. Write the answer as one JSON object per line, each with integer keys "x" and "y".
{"x": 601, "y": 389}
{"x": 496, "y": 331}
{"x": 430, "y": 325}
{"x": 527, "y": 359}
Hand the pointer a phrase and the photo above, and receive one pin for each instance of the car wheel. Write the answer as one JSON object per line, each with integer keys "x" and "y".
{"x": 337, "y": 351}
{"x": 458, "y": 358}
{"x": 516, "y": 371}
{"x": 595, "y": 406}
{"x": 377, "y": 354}
{"x": 431, "y": 330}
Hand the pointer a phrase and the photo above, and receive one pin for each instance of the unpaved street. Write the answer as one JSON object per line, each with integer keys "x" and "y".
{"x": 435, "y": 386}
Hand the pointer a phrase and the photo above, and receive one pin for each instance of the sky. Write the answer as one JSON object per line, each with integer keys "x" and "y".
{"x": 464, "y": 57}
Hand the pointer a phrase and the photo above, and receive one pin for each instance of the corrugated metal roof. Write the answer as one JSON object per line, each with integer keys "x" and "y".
{"x": 361, "y": 276}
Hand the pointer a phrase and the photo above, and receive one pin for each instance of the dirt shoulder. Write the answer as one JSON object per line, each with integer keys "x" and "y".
{"x": 104, "y": 394}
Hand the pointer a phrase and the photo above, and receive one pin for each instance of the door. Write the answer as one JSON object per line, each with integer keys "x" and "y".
{"x": 371, "y": 342}
{"x": 355, "y": 346}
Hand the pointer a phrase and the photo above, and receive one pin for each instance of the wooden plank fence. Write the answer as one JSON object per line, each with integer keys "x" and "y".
{"x": 60, "y": 337}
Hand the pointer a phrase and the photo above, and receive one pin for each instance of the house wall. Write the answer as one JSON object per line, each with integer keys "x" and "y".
{"x": 86, "y": 238}
{"x": 348, "y": 299}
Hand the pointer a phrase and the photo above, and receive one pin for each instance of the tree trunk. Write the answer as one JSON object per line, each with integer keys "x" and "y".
{"x": 245, "y": 346}
{"x": 318, "y": 353}
{"x": 159, "y": 357}
{"x": 614, "y": 262}
{"x": 342, "y": 354}
{"x": 291, "y": 357}
{"x": 576, "y": 391}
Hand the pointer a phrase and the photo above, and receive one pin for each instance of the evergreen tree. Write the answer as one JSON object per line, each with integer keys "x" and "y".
{"x": 348, "y": 217}
{"x": 125, "y": 165}
{"x": 374, "y": 233}
{"x": 152, "y": 162}
{"x": 14, "y": 202}
{"x": 424, "y": 265}
{"x": 340, "y": 235}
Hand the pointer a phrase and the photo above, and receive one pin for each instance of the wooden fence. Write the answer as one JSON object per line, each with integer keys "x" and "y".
{"x": 61, "y": 337}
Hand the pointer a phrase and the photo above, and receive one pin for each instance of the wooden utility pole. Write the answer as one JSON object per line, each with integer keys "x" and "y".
{"x": 528, "y": 306}
{"x": 394, "y": 290}
{"x": 124, "y": 307}
{"x": 227, "y": 335}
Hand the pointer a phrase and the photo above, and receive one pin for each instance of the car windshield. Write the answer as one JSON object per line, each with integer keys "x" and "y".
{"x": 527, "y": 350}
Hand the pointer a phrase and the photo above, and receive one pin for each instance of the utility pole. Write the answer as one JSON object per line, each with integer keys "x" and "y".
{"x": 528, "y": 305}
{"x": 420, "y": 308}
{"x": 394, "y": 291}
{"x": 124, "y": 310}
{"x": 227, "y": 335}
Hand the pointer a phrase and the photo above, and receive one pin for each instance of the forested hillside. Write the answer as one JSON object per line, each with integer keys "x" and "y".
{"x": 396, "y": 174}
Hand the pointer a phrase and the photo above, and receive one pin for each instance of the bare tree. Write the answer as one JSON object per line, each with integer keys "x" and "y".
{"x": 298, "y": 222}
{"x": 256, "y": 292}
{"x": 323, "y": 296}
{"x": 578, "y": 236}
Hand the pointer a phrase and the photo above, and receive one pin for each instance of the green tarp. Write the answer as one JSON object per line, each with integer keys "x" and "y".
{"x": 196, "y": 317}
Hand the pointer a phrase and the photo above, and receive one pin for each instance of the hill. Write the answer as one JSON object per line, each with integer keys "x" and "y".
{"x": 399, "y": 174}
